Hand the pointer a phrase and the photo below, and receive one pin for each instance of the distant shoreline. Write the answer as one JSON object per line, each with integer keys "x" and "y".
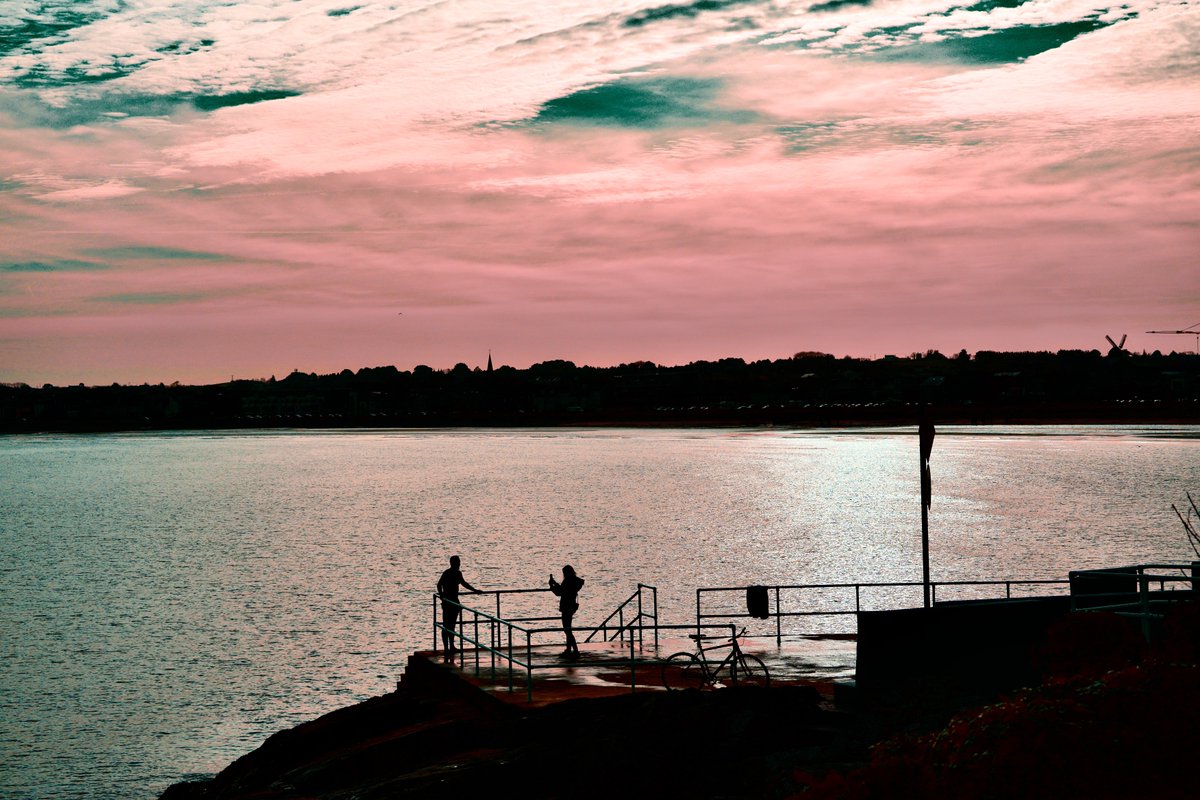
{"x": 806, "y": 391}
{"x": 836, "y": 420}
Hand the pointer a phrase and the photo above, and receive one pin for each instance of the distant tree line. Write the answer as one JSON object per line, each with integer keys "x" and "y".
{"x": 807, "y": 389}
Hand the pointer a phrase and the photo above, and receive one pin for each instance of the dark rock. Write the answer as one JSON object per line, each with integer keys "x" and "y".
{"x": 421, "y": 742}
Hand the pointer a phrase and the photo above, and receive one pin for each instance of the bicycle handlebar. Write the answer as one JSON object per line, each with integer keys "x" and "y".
{"x": 700, "y": 637}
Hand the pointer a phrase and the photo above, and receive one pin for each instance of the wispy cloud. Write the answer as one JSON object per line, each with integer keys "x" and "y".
{"x": 150, "y": 298}
{"x": 644, "y": 102}
{"x": 64, "y": 265}
{"x": 150, "y": 253}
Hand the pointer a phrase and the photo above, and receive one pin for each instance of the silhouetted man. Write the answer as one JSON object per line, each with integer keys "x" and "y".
{"x": 567, "y": 592}
{"x": 447, "y": 587}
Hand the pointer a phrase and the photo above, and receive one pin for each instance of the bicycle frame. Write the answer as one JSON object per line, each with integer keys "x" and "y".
{"x": 683, "y": 669}
{"x": 734, "y": 656}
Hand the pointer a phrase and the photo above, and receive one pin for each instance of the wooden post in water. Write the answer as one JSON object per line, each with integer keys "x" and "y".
{"x": 925, "y": 433}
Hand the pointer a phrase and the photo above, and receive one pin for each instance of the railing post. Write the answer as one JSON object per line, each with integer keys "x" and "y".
{"x": 778, "y": 621}
{"x": 458, "y": 631}
{"x": 435, "y": 628}
{"x": 493, "y": 638}
{"x": 510, "y": 658}
{"x": 476, "y": 641}
{"x": 1144, "y": 591}
{"x": 1008, "y": 590}
{"x": 529, "y": 669}
{"x": 641, "y": 636}
{"x": 621, "y": 622}
{"x": 857, "y": 603}
{"x": 654, "y": 591}
{"x": 932, "y": 593}
{"x": 698, "y": 614}
{"x": 632, "y": 667}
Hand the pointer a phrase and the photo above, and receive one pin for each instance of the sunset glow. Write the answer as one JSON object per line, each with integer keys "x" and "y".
{"x": 192, "y": 189}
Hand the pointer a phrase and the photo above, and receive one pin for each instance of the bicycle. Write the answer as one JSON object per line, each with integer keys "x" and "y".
{"x": 684, "y": 670}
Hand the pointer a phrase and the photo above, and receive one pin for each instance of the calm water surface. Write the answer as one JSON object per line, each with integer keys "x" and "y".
{"x": 167, "y": 601}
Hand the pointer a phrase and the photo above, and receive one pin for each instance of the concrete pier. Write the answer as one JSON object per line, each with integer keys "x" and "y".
{"x": 607, "y": 669}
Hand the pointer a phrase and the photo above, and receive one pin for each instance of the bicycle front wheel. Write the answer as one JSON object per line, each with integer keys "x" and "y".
{"x": 683, "y": 671}
{"x": 751, "y": 671}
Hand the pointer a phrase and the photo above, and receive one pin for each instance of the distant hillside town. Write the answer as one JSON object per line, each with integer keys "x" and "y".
{"x": 808, "y": 389}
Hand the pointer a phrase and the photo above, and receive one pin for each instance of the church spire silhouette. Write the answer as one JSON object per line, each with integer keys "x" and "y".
{"x": 489, "y": 369}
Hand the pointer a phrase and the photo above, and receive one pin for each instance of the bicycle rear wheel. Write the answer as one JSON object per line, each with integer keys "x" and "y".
{"x": 751, "y": 671}
{"x": 683, "y": 671}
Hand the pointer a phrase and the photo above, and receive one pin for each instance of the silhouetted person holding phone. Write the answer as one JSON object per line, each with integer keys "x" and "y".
{"x": 447, "y": 587}
{"x": 567, "y": 592}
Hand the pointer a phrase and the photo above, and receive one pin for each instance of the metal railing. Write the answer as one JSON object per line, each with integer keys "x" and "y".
{"x": 499, "y": 593}
{"x": 495, "y": 647}
{"x": 637, "y": 622}
{"x": 843, "y": 609}
{"x": 1126, "y": 591}
{"x": 500, "y": 634}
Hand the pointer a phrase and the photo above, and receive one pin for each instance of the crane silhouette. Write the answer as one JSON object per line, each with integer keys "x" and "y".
{"x": 1190, "y": 330}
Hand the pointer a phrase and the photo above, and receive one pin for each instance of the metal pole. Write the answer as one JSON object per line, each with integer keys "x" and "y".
{"x": 632, "y": 668}
{"x": 529, "y": 669}
{"x": 654, "y": 590}
{"x": 778, "y": 621}
{"x": 621, "y": 622}
{"x": 857, "y": 604}
{"x": 510, "y": 659}
{"x": 925, "y": 546}
{"x": 476, "y": 641}
{"x": 641, "y": 639}
{"x": 925, "y": 434}
{"x": 1144, "y": 590}
{"x": 698, "y": 614}
{"x": 435, "y": 628}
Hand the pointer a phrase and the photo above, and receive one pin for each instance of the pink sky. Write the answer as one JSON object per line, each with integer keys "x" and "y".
{"x": 426, "y": 193}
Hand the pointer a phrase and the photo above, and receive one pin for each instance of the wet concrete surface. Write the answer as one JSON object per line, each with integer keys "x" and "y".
{"x": 612, "y": 668}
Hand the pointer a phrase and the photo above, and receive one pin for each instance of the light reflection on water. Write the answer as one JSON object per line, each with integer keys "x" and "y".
{"x": 169, "y": 600}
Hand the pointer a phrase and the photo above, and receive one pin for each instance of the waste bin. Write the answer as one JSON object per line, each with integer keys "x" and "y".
{"x": 757, "y": 603}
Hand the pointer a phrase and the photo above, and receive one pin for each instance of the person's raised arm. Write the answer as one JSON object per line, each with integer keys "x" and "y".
{"x": 468, "y": 586}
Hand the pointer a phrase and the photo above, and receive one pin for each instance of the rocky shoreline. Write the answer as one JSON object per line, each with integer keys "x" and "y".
{"x": 438, "y": 736}
{"x": 1110, "y": 717}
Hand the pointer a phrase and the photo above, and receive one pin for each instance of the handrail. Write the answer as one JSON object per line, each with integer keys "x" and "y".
{"x": 619, "y": 608}
{"x": 496, "y": 623}
{"x": 622, "y": 626}
{"x": 483, "y": 614}
{"x": 1138, "y": 602}
{"x": 511, "y": 655}
{"x": 779, "y": 614}
{"x": 499, "y": 592}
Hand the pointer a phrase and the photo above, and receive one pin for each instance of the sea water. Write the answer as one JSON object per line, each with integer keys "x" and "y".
{"x": 168, "y": 600}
